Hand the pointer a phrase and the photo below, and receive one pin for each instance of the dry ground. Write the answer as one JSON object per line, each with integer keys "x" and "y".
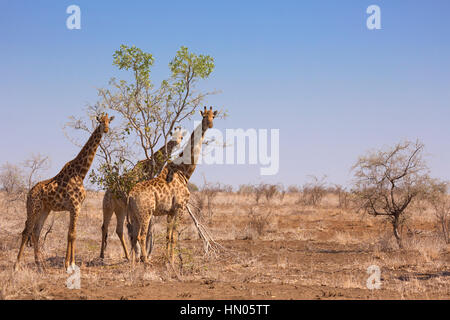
{"x": 276, "y": 250}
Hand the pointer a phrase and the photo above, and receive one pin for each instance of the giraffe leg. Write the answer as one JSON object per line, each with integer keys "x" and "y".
{"x": 71, "y": 236}
{"x": 171, "y": 220}
{"x": 29, "y": 243}
{"x": 120, "y": 215}
{"x": 36, "y": 235}
{"x": 150, "y": 239}
{"x": 22, "y": 245}
{"x": 133, "y": 232}
{"x": 175, "y": 233}
{"x": 174, "y": 238}
{"x": 142, "y": 238}
{"x": 107, "y": 214}
{"x": 33, "y": 210}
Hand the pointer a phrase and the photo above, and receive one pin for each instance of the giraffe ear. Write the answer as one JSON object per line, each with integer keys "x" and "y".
{"x": 98, "y": 118}
{"x": 215, "y": 113}
{"x": 111, "y": 119}
{"x": 201, "y": 113}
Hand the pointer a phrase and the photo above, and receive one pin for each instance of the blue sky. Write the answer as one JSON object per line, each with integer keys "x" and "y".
{"x": 309, "y": 68}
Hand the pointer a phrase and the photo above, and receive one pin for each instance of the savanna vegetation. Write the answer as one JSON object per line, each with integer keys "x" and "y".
{"x": 314, "y": 240}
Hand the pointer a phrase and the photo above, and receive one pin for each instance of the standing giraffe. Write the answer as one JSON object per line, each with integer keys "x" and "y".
{"x": 167, "y": 194}
{"x": 145, "y": 169}
{"x": 64, "y": 192}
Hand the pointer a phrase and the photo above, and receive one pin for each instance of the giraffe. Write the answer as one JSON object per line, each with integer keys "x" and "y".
{"x": 113, "y": 203}
{"x": 167, "y": 194}
{"x": 64, "y": 192}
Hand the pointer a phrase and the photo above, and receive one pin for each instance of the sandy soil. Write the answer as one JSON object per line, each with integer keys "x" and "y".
{"x": 277, "y": 249}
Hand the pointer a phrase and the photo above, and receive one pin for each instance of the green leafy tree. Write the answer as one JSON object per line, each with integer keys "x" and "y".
{"x": 149, "y": 112}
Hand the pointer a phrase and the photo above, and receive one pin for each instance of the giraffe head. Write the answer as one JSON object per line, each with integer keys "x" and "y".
{"x": 104, "y": 121}
{"x": 177, "y": 136}
{"x": 208, "y": 116}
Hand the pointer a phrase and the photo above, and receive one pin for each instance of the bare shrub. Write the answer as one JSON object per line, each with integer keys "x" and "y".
{"x": 293, "y": 189}
{"x": 314, "y": 191}
{"x": 27, "y": 282}
{"x": 210, "y": 192}
{"x": 198, "y": 202}
{"x": 246, "y": 189}
{"x": 35, "y": 164}
{"x": 203, "y": 200}
{"x": 388, "y": 181}
{"x": 442, "y": 213}
{"x": 11, "y": 178}
{"x": 226, "y": 188}
{"x": 270, "y": 191}
{"x": 281, "y": 191}
{"x": 385, "y": 243}
{"x": 343, "y": 196}
{"x": 439, "y": 201}
{"x": 12, "y": 181}
{"x": 17, "y": 181}
{"x": 258, "y": 222}
{"x": 258, "y": 191}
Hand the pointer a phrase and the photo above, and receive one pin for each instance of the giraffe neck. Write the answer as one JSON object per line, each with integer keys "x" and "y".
{"x": 85, "y": 157}
{"x": 153, "y": 166}
{"x": 189, "y": 157}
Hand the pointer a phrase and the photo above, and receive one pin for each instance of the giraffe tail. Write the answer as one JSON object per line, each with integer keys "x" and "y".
{"x": 128, "y": 209}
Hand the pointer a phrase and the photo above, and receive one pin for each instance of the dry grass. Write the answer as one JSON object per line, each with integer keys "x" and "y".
{"x": 278, "y": 248}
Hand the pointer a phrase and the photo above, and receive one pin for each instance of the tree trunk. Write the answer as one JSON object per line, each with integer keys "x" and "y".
{"x": 445, "y": 232}
{"x": 395, "y": 225}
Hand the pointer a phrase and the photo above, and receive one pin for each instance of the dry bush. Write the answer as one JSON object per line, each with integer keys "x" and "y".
{"x": 385, "y": 243}
{"x": 203, "y": 200}
{"x": 442, "y": 213}
{"x": 27, "y": 282}
{"x": 389, "y": 181}
{"x": 293, "y": 189}
{"x": 258, "y": 222}
{"x": 16, "y": 181}
{"x": 313, "y": 191}
{"x": 246, "y": 189}
{"x": 344, "y": 197}
{"x": 281, "y": 191}
{"x": 439, "y": 201}
{"x": 35, "y": 165}
{"x": 226, "y": 188}
{"x": 430, "y": 248}
{"x": 210, "y": 192}
{"x": 11, "y": 178}
{"x": 12, "y": 181}
{"x": 198, "y": 202}
{"x": 268, "y": 191}
{"x": 259, "y": 192}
